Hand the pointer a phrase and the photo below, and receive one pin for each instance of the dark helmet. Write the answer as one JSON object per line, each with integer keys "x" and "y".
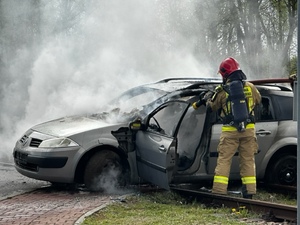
{"x": 228, "y": 66}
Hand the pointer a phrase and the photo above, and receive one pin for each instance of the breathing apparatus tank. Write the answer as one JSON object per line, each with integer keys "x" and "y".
{"x": 239, "y": 107}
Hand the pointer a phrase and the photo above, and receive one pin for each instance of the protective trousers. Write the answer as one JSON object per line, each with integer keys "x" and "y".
{"x": 246, "y": 145}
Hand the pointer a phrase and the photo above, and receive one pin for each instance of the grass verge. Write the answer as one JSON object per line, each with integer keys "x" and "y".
{"x": 167, "y": 208}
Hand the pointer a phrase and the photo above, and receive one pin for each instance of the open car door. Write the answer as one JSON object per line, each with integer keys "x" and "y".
{"x": 156, "y": 145}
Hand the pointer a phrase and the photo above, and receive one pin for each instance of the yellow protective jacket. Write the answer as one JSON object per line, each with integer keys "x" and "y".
{"x": 219, "y": 101}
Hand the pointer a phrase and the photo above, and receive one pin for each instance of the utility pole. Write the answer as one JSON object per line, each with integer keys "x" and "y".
{"x": 297, "y": 95}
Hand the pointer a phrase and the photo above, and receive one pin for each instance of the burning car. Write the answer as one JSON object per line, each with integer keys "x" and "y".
{"x": 152, "y": 134}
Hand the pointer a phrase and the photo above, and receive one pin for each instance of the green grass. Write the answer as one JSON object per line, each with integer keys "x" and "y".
{"x": 276, "y": 198}
{"x": 167, "y": 208}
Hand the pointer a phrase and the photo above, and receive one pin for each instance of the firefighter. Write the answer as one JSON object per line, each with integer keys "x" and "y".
{"x": 233, "y": 137}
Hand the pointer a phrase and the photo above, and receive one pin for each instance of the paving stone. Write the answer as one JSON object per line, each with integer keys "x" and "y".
{"x": 50, "y": 207}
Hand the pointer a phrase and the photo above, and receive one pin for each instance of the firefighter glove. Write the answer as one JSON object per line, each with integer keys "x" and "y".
{"x": 207, "y": 96}
{"x": 293, "y": 77}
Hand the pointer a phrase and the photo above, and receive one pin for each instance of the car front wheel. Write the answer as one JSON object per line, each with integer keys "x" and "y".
{"x": 284, "y": 171}
{"x": 104, "y": 172}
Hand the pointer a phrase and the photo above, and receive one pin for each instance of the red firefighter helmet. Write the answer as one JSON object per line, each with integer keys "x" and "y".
{"x": 228, "y": 66}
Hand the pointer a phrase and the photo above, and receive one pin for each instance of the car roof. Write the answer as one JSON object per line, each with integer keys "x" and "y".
{"x": 209, "y": 83}
{"x": 173, "y": 84}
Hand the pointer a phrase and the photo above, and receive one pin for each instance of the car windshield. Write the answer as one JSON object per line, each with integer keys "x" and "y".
{"x": 136, "y": 102}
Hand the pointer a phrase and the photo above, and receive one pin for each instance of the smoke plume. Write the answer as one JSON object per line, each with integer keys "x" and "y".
{"x": 63, "y": 58}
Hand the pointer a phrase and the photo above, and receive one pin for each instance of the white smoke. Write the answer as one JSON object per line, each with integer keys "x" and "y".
{"x": 87, "y": 52}
{"x": 108, "y": 182}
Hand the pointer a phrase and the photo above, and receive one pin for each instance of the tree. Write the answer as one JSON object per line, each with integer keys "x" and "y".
{"x": 259, "y": 33}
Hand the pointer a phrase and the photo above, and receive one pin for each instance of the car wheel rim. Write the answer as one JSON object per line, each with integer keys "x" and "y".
{"x": 287, "y": 174}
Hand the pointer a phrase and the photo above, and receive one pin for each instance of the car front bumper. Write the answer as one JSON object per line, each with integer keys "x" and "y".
{"x": 33, "y": 163}
{"x": 55, "y": 166}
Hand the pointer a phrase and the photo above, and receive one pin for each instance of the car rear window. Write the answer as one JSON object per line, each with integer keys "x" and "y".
{"x": 283, "y": 106}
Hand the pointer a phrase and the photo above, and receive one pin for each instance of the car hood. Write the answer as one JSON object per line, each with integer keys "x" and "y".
{"x": 68, "y": 126}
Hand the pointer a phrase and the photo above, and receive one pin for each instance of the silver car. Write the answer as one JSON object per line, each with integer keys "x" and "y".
{"x": 152, "y": 134}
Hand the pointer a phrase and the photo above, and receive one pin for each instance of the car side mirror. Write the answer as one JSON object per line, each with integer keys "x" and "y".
{"x": 136, "y": 125}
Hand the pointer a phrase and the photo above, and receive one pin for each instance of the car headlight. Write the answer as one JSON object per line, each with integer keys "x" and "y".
{"x": 58, "y": 143}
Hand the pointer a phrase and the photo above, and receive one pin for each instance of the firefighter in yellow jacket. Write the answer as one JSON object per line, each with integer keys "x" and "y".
{"x": 235, "y": 136}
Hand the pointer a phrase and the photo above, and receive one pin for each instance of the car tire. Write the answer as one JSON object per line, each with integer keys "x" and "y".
{"x": 104, "y": 172}
{"x": 284, "y": 171}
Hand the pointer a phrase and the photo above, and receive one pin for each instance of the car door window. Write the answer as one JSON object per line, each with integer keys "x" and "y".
{"x": 167, "y": 118}
{"x": 264, "y": 111}
{"x": 284, "y": 106}
{"x": 189, "y": 135}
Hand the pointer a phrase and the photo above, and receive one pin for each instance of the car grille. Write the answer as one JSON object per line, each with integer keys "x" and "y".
{"x": 21, "y": 161}
{"x": 34, "y": 142}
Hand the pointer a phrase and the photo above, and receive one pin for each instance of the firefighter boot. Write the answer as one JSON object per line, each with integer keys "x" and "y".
{"x": 245, "y": 193}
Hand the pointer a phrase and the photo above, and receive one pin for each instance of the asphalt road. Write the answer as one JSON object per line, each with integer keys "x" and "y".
{"x": 13, "y": 183}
